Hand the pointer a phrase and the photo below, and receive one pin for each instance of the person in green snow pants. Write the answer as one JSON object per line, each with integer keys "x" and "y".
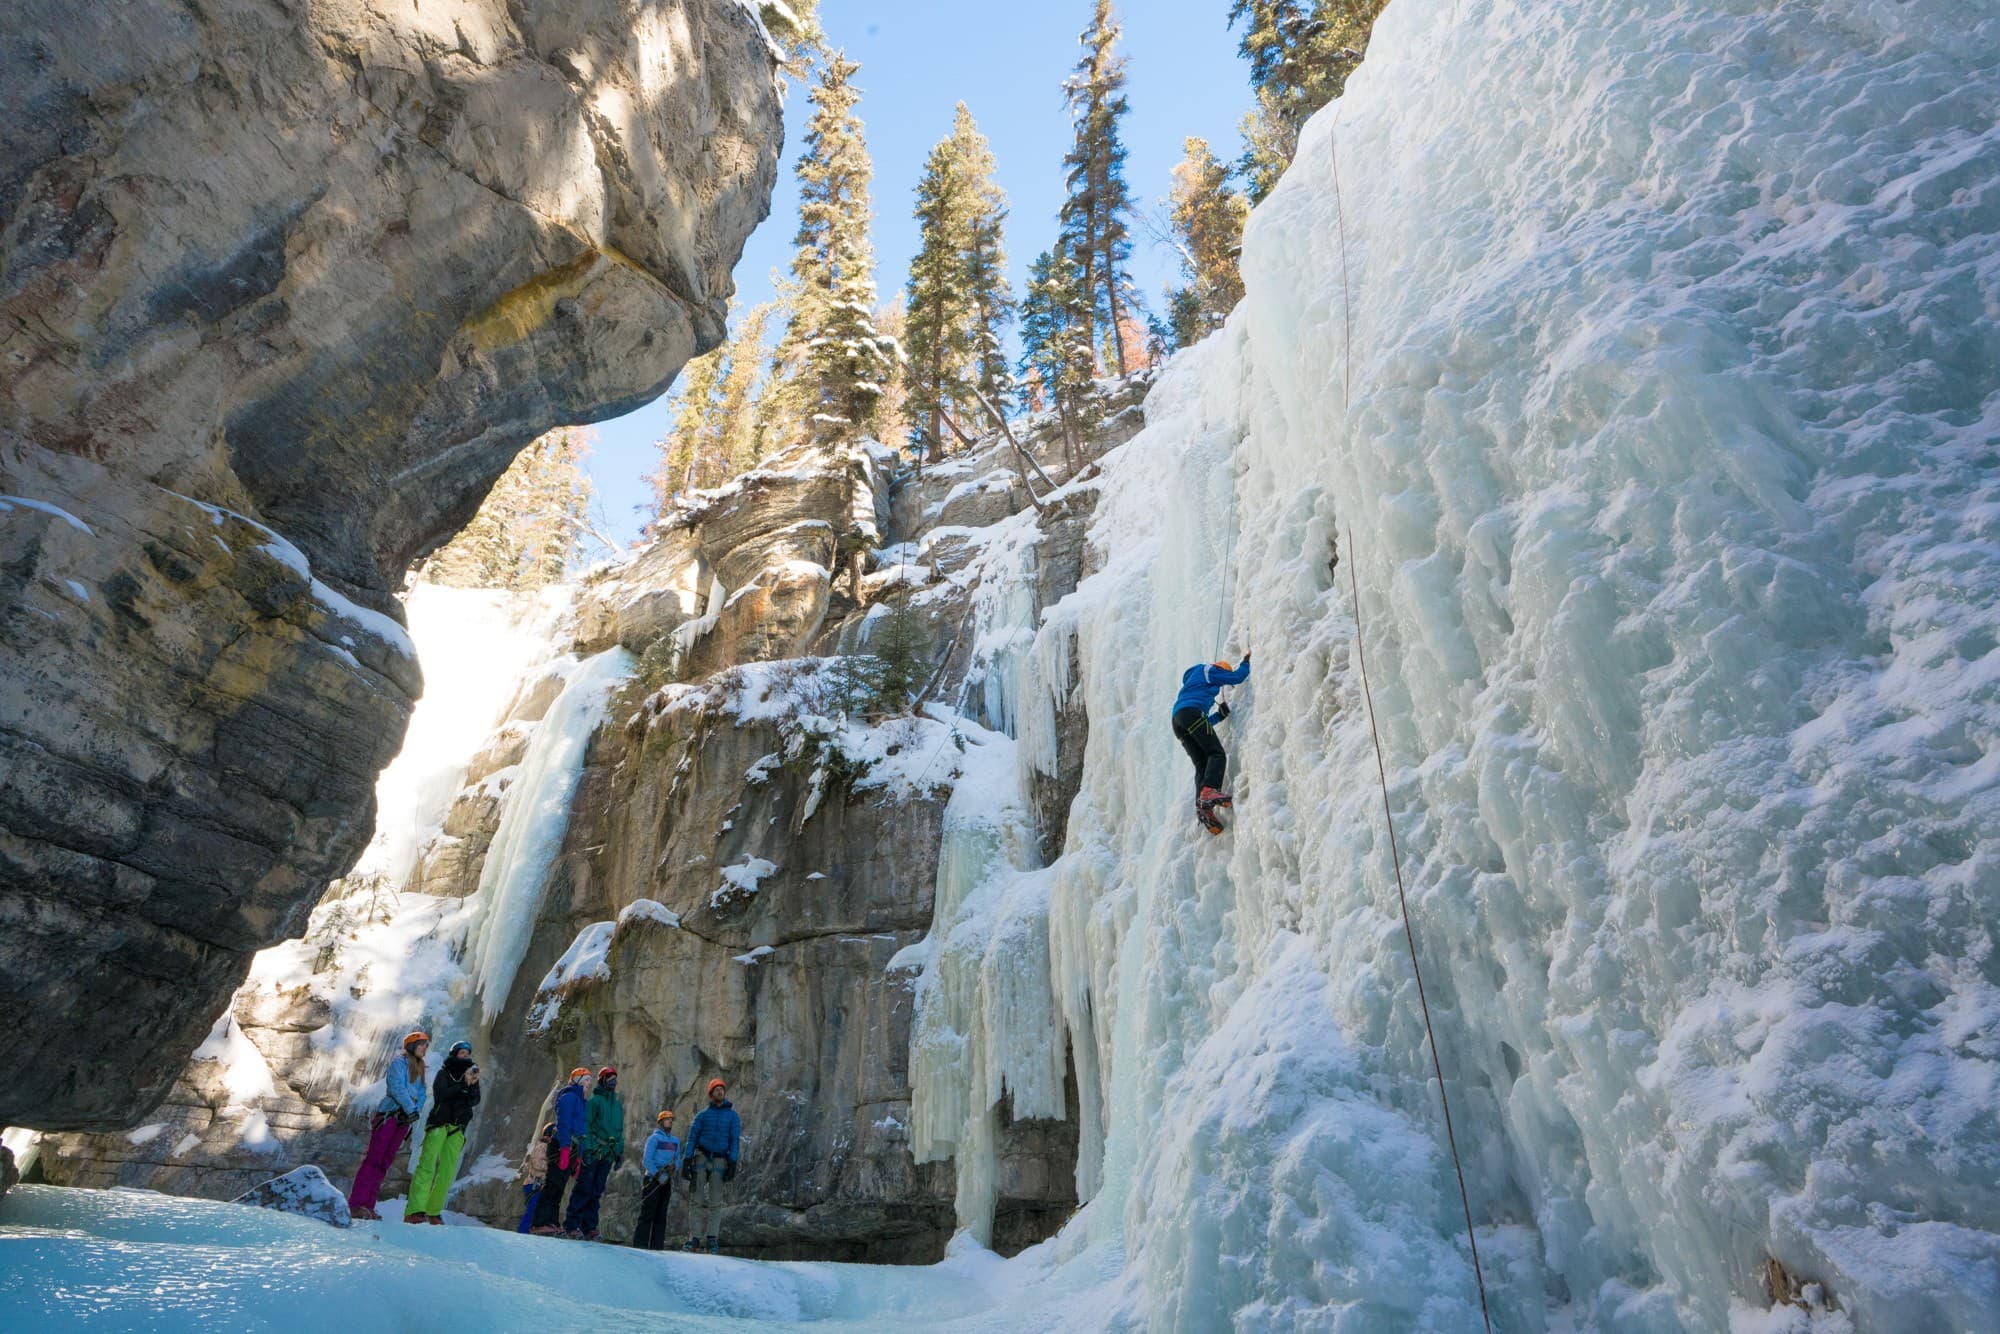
{"x": 455, "y": 1093}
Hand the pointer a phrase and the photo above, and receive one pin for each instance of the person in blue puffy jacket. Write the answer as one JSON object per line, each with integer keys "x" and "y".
{"x": 713, "y": 1144}
{"x": 566, "y": 1154}
{"x": 390, "y": 1123}
{"x": 1195, "y": 714}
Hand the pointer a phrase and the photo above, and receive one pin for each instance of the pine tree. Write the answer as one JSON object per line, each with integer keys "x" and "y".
{"x": 959, "y": 302}
{"x": 892, "y": 416}
{"x": 1301, "y": 53}
{"x": 529, "y": 531}
{"x": 938, "y": 334}
{"x": 1207, "y": 217}
{"x": 1056, "y": 340}
{"x": 845, "y": 363}
{"x": 1095, "y": 217}
{"x": 695, "y": 437}
{"x": 741, "y": 446}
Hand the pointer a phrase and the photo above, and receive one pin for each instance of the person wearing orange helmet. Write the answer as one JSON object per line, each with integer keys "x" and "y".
{"x": 389, "y": 1124}
{"x": 1195, "y": 715}
{"x": 566, "y": 1155}
{"x": 656, "y": 1164}
{"x": 603, "y": 1150}
{"x": 714, "y": 1141}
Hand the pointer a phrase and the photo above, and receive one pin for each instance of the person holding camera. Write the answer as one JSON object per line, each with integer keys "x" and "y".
{"x": 660, "y": 1157}
{"x": 390, "y": 1124}
{"x": 566, "y": 1155}
{"x": 455, "y": 1094}
{"x": 712, "y": 1146}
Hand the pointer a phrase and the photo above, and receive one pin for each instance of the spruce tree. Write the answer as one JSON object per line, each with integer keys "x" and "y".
{"x": 959, "y": 302}
{"x": 845, "y": 362}
{"x": 1207, "y": 217}
{"x": 694, "y": 439}
{"x": 529, "y": 530}
{"x": 1301, "y": 53}
{"x": 740, "y": 446}
{"x": 1096, "y": 215}
{"x": 1058, "y": 355}
{"x": 937, "y": 330}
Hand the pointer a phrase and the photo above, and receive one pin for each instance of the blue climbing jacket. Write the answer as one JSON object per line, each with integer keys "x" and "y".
{"x": 663, "y": 1153}
{"x": 572, "y": 1116}
{"x": 405, "y": 1092}
{"x": 717, "y": 1130}
{"x": 1200, "y": 683}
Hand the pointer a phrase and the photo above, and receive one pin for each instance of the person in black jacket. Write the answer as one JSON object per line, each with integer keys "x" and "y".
{"x": 454, "y": 1095}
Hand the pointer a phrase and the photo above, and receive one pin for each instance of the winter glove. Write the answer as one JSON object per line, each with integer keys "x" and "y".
{"x": 1222, "y": 713}
{"x": 729, "y": 1172}
{"x": 562, "y": 1159}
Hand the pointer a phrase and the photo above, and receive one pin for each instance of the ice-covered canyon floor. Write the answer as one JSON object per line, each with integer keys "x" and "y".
{"x": 127, "y": 1259}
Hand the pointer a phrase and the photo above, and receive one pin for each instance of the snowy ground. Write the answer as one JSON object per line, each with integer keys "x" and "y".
{"x": 132, "y": 1260}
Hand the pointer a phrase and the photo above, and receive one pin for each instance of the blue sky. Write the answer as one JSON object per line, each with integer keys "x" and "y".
{"x": 1006, "y": 61}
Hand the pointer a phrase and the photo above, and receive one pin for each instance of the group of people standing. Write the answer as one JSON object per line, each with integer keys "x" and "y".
{"x": 455, "y": 1095}
{"x": 574, "y": 1154}
{"x": 588, "y": 1138}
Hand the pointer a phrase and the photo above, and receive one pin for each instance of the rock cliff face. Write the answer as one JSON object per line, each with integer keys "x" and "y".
{"x": 325, "y": 267}
{"x": 750, "y": 854}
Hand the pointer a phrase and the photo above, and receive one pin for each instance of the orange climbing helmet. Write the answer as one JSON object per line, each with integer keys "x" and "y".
{"x": 715, "y": 1084}
{"x": 410, "y": 1042}
{"x": 578, "y": 1073}
{"x": 1223, "y": 665}
{"x": 664, "y": 1118}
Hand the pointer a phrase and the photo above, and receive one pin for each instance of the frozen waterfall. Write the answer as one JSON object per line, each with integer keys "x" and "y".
{"x": 533, "y": 820}
{"x": 1652, "y": 355}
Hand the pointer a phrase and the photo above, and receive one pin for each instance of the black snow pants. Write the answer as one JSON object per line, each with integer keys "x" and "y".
{"x": 1197, "y": 736}
{"x": 651, "y": 1234}
{"x": 548, "y": 1205}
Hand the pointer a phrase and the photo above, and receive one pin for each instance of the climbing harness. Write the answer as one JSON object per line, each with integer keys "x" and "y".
{"x": 1381, "y": 769}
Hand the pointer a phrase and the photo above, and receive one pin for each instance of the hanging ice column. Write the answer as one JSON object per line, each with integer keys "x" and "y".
{"x": 532, "y": 825}
{"x": 986, "y": 1026}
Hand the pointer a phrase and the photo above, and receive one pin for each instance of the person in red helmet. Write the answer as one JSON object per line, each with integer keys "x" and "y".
{"x": 603, "y": 1151}
{"x": 566, "y": 1154}
{"x": 713, "y": 1145}
{"x": 389, "y": 1125}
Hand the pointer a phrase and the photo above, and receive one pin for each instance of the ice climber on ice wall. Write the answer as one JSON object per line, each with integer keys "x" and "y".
{"x": 389, "y": 1125}
{"x": 1196, "y": 712}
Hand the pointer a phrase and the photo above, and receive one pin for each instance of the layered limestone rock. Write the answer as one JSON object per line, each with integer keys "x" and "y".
{"x": 752, "y": 844}
{"x": 326, "y": 267}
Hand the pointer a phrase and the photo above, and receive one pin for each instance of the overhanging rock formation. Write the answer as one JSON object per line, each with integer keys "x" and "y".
{"x": 283, "y": 288}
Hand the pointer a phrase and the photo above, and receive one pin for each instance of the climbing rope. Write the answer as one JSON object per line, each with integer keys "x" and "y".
{"x": 1381, "y": 769}
{"x": 1410, "y": 936}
